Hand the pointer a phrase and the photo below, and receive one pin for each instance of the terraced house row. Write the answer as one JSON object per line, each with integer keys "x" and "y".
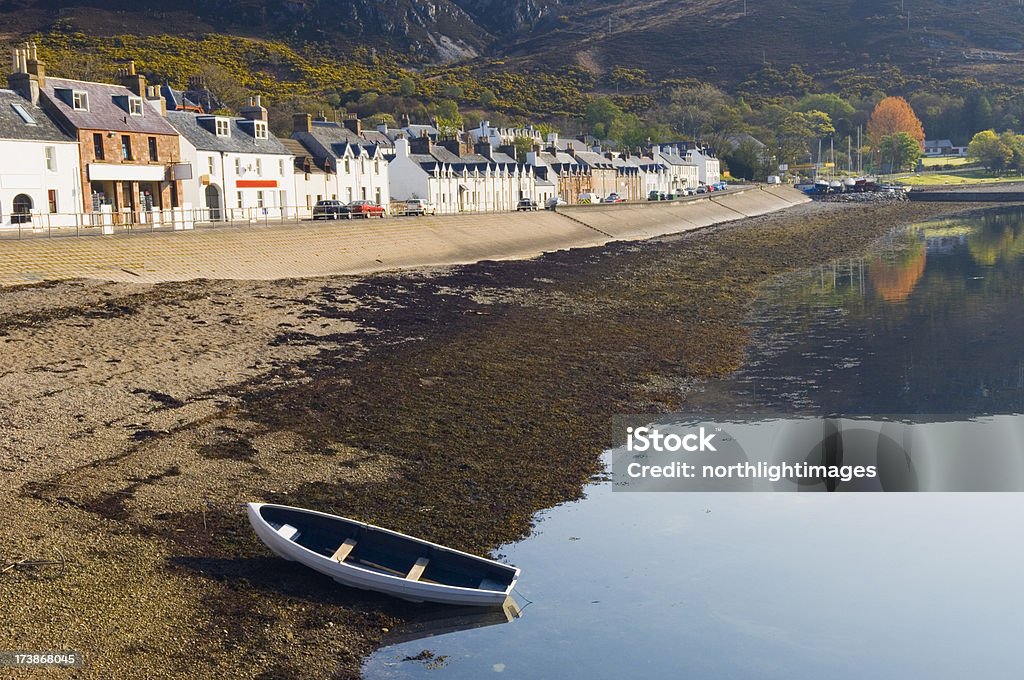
{"x": 76, "y": 153}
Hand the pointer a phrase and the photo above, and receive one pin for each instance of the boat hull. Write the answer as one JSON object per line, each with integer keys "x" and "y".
{"x": 368, "y": 576}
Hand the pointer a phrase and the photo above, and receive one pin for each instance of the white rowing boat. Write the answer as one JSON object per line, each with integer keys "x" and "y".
{"x": 371, "y": 558}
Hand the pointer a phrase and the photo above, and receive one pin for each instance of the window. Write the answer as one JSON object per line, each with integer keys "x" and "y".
{"x": 212, "y": 164}
{"x": 51, "y": 158}
{"x": 376, "y": 167}
{"x": 51, "y": 199}
{"x": 280, "y": 166}
{"x": 80, "y": 101}
{"x": 240, "y": 203}
{"x": 378, "y": 197}
{"x": 23, "y": 114}
{"x": 153, "y": 153}
{"x": 259, "y": 167}
{"x": 223, "y": 127}
{"x": 238, "y": 165}
{"x": 260, "y": 129}
{"x": 135, "y": 106}
{"x": 126, "y": 147}
{"x": 364, "y": 193}
{"x": 97, "y": 146}
{"x": 347, "y": 168}
{"x": 259, "y": 199}
{"x": 362, "y": 165}
{"x": 349, "y": 190}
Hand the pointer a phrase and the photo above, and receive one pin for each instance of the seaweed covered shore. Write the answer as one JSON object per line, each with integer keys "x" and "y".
{"x": 449, "y": 403}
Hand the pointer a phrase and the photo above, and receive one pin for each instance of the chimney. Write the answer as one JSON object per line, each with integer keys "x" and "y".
{"x": 453, "y": 145}
{"x": 302, "y": 122}
{"x": 405, "y": 120}
{"x": 254, "y": 111}
{"x": 420, "y": 145}
{"x": 133, "y": 80}
{"x": 23, "y": 82}
{"x": 353, "y": 124}
{"x": 35, "y": 67}
{"x": 156, "y": 99}
{"x": 483, "y": 149}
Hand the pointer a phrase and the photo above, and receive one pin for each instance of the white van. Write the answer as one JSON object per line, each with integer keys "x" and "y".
{"x": 774, "y": 179}
{"x": 588, "y": 198}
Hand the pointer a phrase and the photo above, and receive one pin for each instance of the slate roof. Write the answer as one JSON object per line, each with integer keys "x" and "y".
{"x": 594, "y": 160}
{"x": 302, "y": 155}
{"x": 104, "y": 113}
{"x": 942, "y": 143}
{"x": 12, "y": 126}
{"x": 336, "y": 137}
{"x": 240, "y": 141}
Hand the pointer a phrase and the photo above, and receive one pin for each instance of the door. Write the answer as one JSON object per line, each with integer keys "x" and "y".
{"x": 213, "y": 202}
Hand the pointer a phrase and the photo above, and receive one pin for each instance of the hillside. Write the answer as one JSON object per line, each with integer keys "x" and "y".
{"x": 851, "y": 45}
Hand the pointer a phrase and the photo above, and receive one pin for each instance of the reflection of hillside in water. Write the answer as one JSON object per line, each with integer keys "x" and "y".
{"x": 930, "y": 324}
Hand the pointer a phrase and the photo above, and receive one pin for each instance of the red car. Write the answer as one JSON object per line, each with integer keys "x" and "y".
{"x": 364, "y": 209}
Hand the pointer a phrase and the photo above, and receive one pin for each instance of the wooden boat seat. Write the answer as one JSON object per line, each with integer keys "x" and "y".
{"x": 344, "y": 550}
{"x": 417, "y": 569}
{"x": 288, "y": 532}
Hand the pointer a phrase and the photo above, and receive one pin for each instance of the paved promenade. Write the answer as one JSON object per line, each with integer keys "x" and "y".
{"x": 306, "y": 249}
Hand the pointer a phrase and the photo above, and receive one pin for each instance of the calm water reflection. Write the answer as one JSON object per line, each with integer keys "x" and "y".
{"x": 787, "y": 585}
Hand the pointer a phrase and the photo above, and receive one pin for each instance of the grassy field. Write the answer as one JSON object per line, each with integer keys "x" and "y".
{"x": 938, "y": 162}
{"x": 978, "y": 176}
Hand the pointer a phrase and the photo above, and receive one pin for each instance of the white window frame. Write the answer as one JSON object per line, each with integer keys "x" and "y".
{"x": 50, "y": 153}
{"x": 259, "y": 130}
{"x": 241, "y": 203}
{"x": 260, "y": 201}
{"x": 222, "y": 127}
{"x": 259, "y": 168}
{"x": 280, "y": 165}
{"x": 135, "y": 106}
{"x": 79, "y": 100}
{"x": 238, "y": 165}
{"x": 212, "y": 165}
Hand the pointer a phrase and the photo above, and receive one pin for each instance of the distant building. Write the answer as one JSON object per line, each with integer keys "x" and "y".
{"x": 457, "y": 177}
{"x": 129, "y": 157}
{"x": 356, "y": 159}
{"x": 942, "y": 147}
{"x": 240, "y": 170}
{"x": 40, "y": 183}
{"x": 570, "y": 177}
{"x": 313, "y": 179}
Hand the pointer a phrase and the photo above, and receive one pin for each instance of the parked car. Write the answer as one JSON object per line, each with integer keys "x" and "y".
{"x": 364, "y": 209}
{"x": 614, "y": 198}
{"x": 554, "y": 202}
{"x": 586, "y": 198}
{"x": 527, "y": 204}
{"x": 329, "y": 210}
{"x": 420, "y": 206}
{"x": 702, "y": 189}
{"x": 720, "y": 186}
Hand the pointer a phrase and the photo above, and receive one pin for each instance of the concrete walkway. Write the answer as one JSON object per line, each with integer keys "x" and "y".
{"x": 324, "y": 248}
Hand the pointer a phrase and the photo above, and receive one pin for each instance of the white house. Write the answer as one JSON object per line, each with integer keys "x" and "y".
{"x": 40, "y": 183}
{"x": 456, "y": 180}
{"x": 356, "y": 159}
{"x": 682, "y": 172}
{"x": 503, "y": 136}
{"x": 708, "y": 168}
{"x": 240, "y": 170}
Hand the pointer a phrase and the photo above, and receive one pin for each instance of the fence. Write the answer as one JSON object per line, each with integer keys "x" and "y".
{"x": 54, "y": 225}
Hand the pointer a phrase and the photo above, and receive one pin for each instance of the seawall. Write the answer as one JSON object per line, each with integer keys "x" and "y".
{"x": 307, "y": 249}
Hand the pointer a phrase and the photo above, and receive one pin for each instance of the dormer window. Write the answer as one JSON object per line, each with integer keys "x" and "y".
{"x": 80, "y": 100}
{"x": 260, "y": 130}
{"x": 223, "y": 126}
{"x": 135, "y": 106}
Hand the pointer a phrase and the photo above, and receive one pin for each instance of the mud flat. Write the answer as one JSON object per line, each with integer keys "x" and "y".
{"x": 451, "y": 403}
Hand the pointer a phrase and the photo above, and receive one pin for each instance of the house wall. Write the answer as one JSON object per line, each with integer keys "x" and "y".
{"x": 125, "y": 194}
{"x": 23, "y": 171}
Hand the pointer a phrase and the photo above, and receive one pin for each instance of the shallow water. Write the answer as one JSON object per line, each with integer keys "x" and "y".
{"x": 786, "y": 585}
